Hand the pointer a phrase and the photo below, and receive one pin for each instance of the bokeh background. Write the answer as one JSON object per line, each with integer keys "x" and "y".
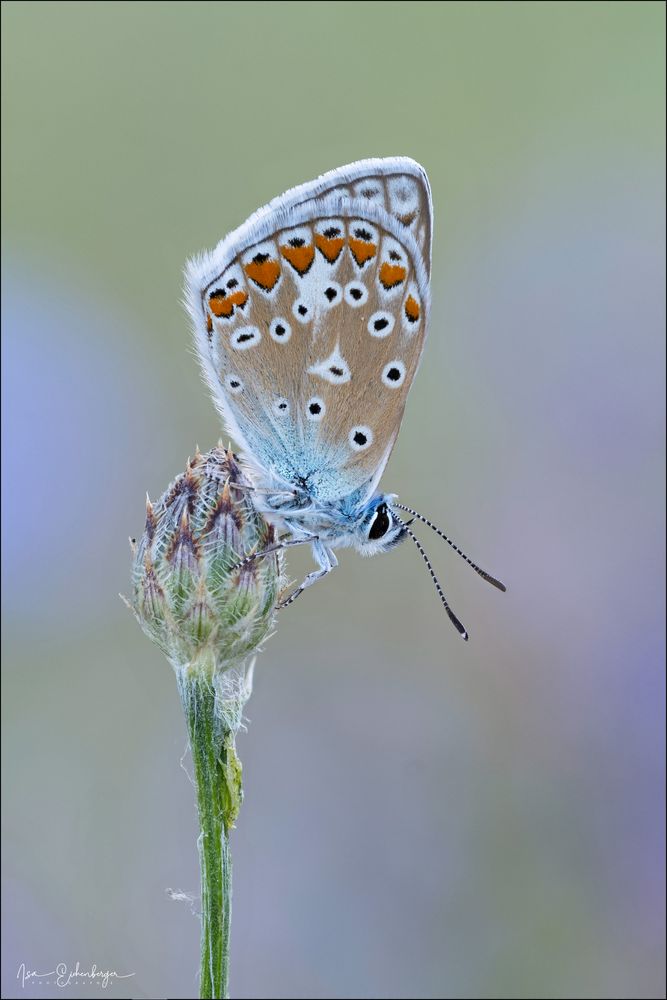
{"x": 422, "y": 818}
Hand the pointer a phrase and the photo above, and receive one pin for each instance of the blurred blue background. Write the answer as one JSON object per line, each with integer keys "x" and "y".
{"x": 422, "y": 818}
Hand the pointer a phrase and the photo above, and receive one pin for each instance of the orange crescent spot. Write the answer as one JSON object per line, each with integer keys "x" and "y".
{"x": 392, "y": 275}
{"x": 264, "y": 273}
{"x": 223, "y": 305}
{"x": 408, "y": 218}
{"x": 362, "y": 251}
{"x": 209, "y": 323}
{"x": 300, "y": 258}
{"x": 412, "y": 310}
{"x": 329, "y": 248}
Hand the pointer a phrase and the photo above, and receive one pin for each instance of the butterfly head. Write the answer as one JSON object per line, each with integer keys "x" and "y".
{"x": 380, "y": 529}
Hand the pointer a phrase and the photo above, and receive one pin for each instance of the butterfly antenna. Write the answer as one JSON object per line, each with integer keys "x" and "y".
{"x": 452, "y": 617}
{"x": 484, "y": 575}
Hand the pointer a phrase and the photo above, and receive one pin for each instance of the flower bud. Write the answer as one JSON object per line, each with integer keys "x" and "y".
{"x": 189, "y": 596}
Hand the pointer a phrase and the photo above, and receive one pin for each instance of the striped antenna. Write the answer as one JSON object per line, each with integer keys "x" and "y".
{"x": 477, "y": 569}
{"x": 452, "y": 617}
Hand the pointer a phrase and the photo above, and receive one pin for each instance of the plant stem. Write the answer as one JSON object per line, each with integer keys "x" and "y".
{"x": 217, "y": 774}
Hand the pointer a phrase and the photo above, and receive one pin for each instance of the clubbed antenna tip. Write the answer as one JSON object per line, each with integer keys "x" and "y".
{"x": 452, "y": 617}
{"x": 484, "y": 575}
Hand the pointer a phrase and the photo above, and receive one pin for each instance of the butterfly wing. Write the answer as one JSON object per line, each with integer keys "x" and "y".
{"x": 396, "y": 184}
{"x": 310, "y": 322}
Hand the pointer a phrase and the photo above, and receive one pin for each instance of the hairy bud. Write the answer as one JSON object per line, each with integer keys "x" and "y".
{"x": 188, "y": 594}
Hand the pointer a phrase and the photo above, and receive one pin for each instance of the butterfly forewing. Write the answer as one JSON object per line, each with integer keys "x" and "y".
{"x": 398, "y": 186}
{"x": 312, "y": 331}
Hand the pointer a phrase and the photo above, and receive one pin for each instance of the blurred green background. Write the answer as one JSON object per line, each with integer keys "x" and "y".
{"x": 422, "y": 818}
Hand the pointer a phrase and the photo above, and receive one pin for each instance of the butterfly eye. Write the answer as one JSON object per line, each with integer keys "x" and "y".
{"x": 380, "y": 524}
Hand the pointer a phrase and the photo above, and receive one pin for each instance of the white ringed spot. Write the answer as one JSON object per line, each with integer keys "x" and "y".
{"x": 360, "y": 438}
{"x": 393, "y": 374}
{"x": 315, "y": 408}
{"x": 301, "y": 310}
{"x": 280, "y": 330}
{"x": 381, "y": 324}
{"x": 332, "y": 294}
{"x": 245, "y": 337}
{"x": 356, "y": 294}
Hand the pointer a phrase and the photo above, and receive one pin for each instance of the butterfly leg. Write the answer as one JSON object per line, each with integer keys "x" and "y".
{"x": 278, "y": 547}
{"x": 327, "y": 561}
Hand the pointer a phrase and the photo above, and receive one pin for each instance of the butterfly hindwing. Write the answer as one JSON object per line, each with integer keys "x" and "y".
{"x": 311, "y": 332}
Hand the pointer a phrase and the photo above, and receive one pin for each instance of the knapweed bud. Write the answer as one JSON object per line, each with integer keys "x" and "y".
{"x": 189, "y": 596}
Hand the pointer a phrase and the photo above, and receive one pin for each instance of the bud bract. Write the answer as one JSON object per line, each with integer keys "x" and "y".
{"x": 189, "y": 594}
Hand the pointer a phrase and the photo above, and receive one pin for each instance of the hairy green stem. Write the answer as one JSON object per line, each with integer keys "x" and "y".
{"x": 217, "y": 775}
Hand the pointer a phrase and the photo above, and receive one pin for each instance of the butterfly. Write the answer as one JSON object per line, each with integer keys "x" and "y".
{"x": 310, "y": 320}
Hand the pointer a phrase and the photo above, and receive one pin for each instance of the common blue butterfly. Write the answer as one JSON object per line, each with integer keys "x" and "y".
{"x": 310, "y": 321}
